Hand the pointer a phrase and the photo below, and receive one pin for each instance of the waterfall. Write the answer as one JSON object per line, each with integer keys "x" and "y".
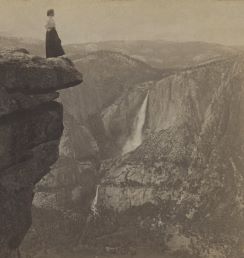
{"x": 135, "y": 138}
{"x": 94, "y": 202}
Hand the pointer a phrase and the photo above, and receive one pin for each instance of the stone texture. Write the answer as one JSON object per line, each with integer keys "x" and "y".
{"x": 31, "y": 125}
{"x": 179, "y": 193}
{"x": 21, "y": 72}
{"x": 183, "y": 187}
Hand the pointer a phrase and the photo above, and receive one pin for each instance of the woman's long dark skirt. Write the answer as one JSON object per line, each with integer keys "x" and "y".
{"x": 53, "y": 44}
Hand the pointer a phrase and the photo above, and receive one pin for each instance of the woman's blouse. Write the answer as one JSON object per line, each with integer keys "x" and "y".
{"x": 50, "y": 24}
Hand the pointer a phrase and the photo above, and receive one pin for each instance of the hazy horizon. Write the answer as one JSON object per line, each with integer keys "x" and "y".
{"x": 80, "y": 21}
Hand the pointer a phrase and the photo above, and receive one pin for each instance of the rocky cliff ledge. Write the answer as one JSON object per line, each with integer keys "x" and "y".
{"x": 31, "y": 125}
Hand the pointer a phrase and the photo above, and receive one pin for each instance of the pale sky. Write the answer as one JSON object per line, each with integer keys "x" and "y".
{"x": 220, "y": 21}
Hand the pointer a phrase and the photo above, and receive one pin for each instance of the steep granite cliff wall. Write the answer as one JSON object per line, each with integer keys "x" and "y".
{"x": 182, "y": 189}
{"x": 31, "y": 125}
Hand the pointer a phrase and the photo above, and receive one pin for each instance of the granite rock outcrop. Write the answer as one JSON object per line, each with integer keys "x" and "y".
{"x": 31, "y": 124}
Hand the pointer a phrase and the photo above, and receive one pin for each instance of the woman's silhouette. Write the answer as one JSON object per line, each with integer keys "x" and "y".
{"x": 53, "y": 42}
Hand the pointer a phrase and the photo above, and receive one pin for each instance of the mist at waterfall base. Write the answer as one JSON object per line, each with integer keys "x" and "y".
{"x": 136, "y": 137}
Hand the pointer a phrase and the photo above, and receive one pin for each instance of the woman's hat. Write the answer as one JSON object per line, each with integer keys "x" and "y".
{"x": 50, "y": 12}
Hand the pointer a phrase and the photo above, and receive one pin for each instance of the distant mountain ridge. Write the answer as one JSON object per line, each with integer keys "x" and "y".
{"x": 34, "y": 46}
{"x": 107, "y": 75}
{"x": 159, "y": 54}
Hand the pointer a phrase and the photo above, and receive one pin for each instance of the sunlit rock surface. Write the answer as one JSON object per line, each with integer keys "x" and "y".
{"x": 183, "y": 187}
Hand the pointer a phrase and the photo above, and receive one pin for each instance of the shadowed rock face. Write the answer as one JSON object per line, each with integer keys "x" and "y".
{"x": 31, "y": 125}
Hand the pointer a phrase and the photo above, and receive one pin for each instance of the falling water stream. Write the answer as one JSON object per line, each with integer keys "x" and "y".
{"x": 132, "y": 143}
{"x": 94, "y": 208}
{"x": 135, "y": 138}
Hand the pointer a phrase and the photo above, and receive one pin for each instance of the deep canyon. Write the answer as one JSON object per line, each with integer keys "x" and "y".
{"x": 151, "y": 155}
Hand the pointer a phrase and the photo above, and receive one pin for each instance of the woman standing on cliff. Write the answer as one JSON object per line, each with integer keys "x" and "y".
{"x": 53, "y": 42}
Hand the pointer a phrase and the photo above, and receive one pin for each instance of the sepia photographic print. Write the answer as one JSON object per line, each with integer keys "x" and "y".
{"x": 121, "y": 129}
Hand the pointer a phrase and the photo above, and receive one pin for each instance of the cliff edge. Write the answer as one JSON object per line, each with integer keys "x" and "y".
{"x": 31, "y": 124}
